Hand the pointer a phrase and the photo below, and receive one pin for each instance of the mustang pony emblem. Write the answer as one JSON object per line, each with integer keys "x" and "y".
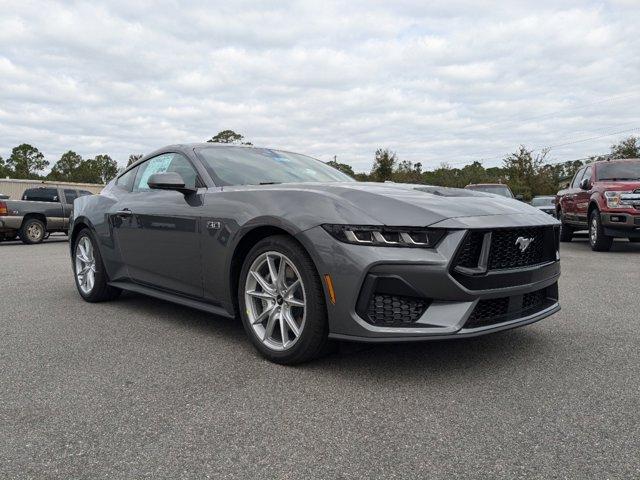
{"x": 523, "y": 243}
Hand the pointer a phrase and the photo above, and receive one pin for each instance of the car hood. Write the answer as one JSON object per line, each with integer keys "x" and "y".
{"x": 620, "y": 186}
{"x": 411, "y": 204}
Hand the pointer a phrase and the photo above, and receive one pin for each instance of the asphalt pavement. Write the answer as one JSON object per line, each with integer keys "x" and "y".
{"x": 140, "y": 388}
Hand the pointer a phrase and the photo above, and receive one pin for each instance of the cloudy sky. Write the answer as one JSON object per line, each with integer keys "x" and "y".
{"x": 440, "y": 81}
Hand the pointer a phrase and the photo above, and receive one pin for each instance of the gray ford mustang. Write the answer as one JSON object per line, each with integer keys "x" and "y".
{"x": 304, "y": 254}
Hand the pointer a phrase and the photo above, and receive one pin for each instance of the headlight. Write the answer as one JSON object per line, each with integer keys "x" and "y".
{"x": 379, "y": 236}
{"x": 614, "y": 200}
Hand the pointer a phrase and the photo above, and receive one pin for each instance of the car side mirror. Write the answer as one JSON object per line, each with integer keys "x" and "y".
{"x": 169, "y": 181}
{"x": 585, "y": 184}
{"x": 520, "y": 197}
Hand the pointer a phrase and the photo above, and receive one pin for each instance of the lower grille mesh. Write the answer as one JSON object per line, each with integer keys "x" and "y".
{"x": 394, "y": 310}
{"x": 497, "y": 310}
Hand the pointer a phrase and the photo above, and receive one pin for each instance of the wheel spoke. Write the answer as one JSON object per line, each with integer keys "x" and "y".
{"x": 283, "y": 329}
{"x": 294, "y": 302}
{"x": 264, "y": 295}
{"x": 273, "y": 272}
{"x": 265, "y": 313}
{"x": 291, "y": 288}
{"x": 268, "y": 330}
{"x": 292, "y": 323}
{"x": 281, "y": 272}
{"x": 262, "y": 282}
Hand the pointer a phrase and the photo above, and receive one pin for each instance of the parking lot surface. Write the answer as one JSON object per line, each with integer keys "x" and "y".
{"x": 140, "y": 388}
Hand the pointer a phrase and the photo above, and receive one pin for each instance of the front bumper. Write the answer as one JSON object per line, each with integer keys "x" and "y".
{"x": 621, "y": 224}
{"x": 426, "y": 273}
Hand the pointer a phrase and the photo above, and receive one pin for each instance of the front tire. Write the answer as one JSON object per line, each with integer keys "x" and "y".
{"x": 282, "y": 302}
{"x": 597, "y": 239}
{"x": 89, "y": 272}
{"x": 32, "y": 231}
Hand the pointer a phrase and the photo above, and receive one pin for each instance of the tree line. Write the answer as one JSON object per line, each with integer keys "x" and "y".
{"x": 527, "y": 173}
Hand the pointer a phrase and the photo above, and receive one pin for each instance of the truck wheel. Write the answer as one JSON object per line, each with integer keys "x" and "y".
{"x": 598, "y": 240}
{"x": 566, "y": 231}
{"x": 89, "y": 272}
{"x": 32, "y": 231}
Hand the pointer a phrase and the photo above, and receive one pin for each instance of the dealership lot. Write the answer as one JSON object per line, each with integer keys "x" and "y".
{"x": 140, "y": 388}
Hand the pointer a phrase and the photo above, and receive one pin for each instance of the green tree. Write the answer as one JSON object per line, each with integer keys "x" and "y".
{"x": 228, "y": 136}
{"x": 67, "y": 168}
{"x": 383, "y": 165}
{"x": 26, "y": 161}
{"x": 100, "y": 169}
{"x": 5, "y": 171}
{"x": 627, "y": 148}
{"x": 343, "y": 167}
{"x": 133, "y": 158}
{"x": 527, "y": 174}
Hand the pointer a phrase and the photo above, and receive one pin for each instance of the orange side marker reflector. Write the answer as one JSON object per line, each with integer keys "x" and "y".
{"x": 332, "y": 293}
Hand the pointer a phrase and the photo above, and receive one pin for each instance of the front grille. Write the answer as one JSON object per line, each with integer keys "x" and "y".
{"x": 497, "y": 310}
{"x": 394, "y": 310}
{"x": 506, "y": 253}
{"x": 505, "y": 250}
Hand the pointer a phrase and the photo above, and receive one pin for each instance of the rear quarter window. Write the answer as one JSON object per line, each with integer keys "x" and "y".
{"x": 41, "y": 195}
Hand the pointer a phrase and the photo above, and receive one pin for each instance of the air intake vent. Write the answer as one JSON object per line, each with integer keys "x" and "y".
{"x": 394, "y": 310}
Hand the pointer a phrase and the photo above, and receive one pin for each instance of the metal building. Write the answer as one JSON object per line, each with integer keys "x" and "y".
{"x": 14, "y": 187}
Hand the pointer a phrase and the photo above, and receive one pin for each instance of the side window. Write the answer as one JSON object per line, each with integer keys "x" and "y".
{"x": 167, "y": 162}
{"x": 125, "y": 181}
{"x": 41, "y": 195}
{"x": 82, "y": 193}
{"x": 577, "y": 178}
{"x": 181, "y": 165}
{"x": 70, "y": 196}
{"x": 157, "y": 164}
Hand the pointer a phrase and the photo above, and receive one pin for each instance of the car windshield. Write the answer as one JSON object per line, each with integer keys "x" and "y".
{"x": 619, "y": 171}
{"x": 543, "y": 201}
{"x": 495, "y": 189}
{"x": 263, "y": 166}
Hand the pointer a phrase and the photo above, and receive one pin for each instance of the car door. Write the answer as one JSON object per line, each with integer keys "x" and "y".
{"x": 158, "y": 231}
{"x": 581, "y": 200}
{"x": 568, "y": 199}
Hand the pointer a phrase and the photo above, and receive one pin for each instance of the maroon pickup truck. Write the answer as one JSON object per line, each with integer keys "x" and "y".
{"x": 603, "y": 197}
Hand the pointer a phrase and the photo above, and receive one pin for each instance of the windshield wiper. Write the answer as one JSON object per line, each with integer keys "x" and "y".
{"x": 269, "y": 183}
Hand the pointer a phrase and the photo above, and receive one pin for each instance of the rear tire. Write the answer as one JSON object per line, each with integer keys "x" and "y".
{"x": 566, "y": 231}
{"x": 92, "y": 285}
{"x": 597, "y": 239}
{"x": 32, "y": 231}
{"x": 268, "y": 307}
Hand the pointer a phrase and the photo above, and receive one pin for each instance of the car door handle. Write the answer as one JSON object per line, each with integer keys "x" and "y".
{"x": 125, "y": 212}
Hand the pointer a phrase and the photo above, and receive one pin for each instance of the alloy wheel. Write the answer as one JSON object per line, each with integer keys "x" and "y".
{"x": 85, "y": 265}
{"x": 593, "y": 231}
{"x": 275, "y": 300}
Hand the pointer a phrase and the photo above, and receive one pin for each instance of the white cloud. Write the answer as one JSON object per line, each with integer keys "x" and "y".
{"x": 437, "y": 81}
